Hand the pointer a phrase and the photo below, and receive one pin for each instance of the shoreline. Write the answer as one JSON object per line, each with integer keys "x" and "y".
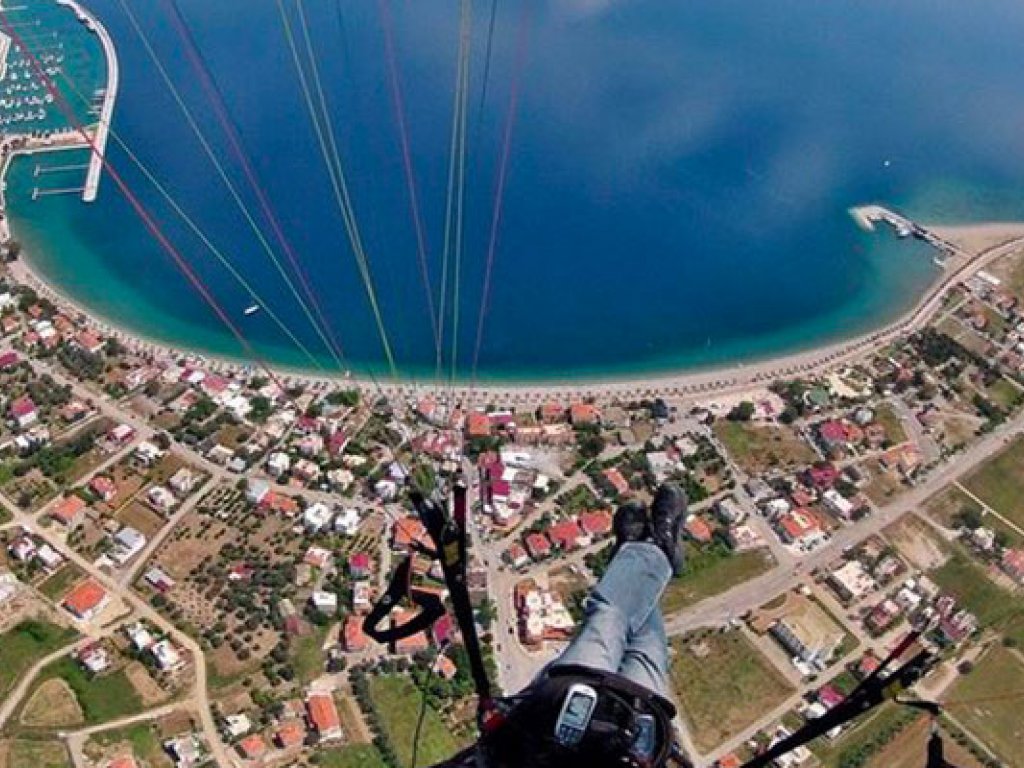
{"x": 973, "y": 246}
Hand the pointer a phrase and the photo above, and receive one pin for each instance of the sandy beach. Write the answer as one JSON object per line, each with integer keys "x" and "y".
{"x": 978, "y": 244}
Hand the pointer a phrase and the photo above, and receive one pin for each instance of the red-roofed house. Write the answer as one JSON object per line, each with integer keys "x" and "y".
{"x": 443, "y": 630}
{"x": 125, "y": 761}
{"x": 1013, "y": 564}
{"x": 478, "y": 424}
{"x": 323, "y": 716}
{"x": 414, "y": 643}
{"x": 252, "y": 747}
{"x": 584, "y": 414}
{"x": 565, "y": 535}
{"x": 829, "y": 696}
{"x": 698, "y": 529}
{"x": 617, "y": 481}
{"x": 9, "y": 360}
{"x": 516, "y": 555}
{"x": 538, "y": 546}
{"x": 406, "y": 531}
{"x": 291, "y": 734}
{"x": 103, "y": 487}
{"x": 823, "y": 475}
{"x": 68, "y": 511}
{"x": 86, "y": 600}
{"x": 354, "y": 637}
{"x": 798, "y": 525}
{"x": 552, "y": 413}
{"x": 596, "y": 524}
{"x": 359, "y": 565}
{"x": 728, "y": 761}
{"x": 23, "y": 411}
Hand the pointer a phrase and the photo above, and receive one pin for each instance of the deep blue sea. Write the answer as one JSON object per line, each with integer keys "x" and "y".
{"x": 678, "y": 186}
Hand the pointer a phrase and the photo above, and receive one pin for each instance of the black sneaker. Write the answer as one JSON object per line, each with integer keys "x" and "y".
{"x": 667, "y": 512}
{"x": 630, "y": 524}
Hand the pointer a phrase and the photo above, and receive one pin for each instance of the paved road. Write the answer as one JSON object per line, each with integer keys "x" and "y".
{"x": 717, "y": 610}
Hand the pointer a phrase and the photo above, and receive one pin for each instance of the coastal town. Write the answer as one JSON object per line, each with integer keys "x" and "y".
{"x": 189, "y": 547}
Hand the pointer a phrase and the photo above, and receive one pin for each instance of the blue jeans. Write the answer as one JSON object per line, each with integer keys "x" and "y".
{"x": 623, "y": 631}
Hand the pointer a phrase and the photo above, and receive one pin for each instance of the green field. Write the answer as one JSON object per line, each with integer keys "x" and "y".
{"x": 30, "y": 753}
{"x": 143, "y": 739}
{"x": 868, "y": 737}
{"x": 994, "y": 606}
{"x": 997, "y": 722}
{"x": 894, "y": 431}
{"x": 397, "y": 701}
{"x": 723, "y": 684}
{"x": 759, "y": 449}
{"x": 102, "y": 698}
{"x": 352, "y": 756}
{"x": 5, "y": 516}
{"x": 57, "y": 585}
{"x": 308, "y": 656}
{"x": 999, "y": 482}
{"x": 24, "y": 645}
{"x": 712, "y": 570}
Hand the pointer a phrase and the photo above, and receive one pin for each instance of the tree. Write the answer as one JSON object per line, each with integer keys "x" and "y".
{"x": 487, "y": 613}
{"x": 743, "y": 411}
{"x": 968, "y": 517}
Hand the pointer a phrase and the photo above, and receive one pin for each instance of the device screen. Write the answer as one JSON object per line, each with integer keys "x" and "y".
{"x": 577, "y": 713}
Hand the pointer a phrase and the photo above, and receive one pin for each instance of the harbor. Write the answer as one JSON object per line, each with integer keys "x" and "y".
{"x": 50, "y": 40}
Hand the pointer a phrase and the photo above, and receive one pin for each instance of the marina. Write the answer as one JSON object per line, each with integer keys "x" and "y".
{"x": 52, "y": 39}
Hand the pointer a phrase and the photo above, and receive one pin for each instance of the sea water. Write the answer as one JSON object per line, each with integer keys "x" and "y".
{"x": 679, "y": 180}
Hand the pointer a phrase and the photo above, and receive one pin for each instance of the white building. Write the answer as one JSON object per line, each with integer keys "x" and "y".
{"x": 278, "y": 463}
{"x": 325, "y": 602}
{"x": 837, "y": 504}
{"x": 316, "y": 517}
{"x": 183, "y": 482}
{"x": 128, "y": 542}
{"x": 166, "y": 655}
{"x": 347, "y": 522}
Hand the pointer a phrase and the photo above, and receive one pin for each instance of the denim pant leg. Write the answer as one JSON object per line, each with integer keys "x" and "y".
{"x": 619, "y": 608}
{"x": 645, "y": 660}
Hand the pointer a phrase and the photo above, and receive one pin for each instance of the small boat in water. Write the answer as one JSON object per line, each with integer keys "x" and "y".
{"x": 252, "y": 310}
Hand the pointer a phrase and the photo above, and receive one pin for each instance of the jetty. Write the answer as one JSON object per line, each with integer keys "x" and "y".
{"x": 867, "y": 216}
{"x": 37, "y": 192}
{"x": 102, "y": 132}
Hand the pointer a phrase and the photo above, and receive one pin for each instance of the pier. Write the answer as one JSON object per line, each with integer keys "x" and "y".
{"x": 37, "y": 192}
{"x": 867, "y": 216}
{"x": 102, "y": 132}
{"x": 40, "y": 169}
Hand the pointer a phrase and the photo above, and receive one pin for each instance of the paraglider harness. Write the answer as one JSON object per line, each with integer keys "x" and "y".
{"x": 628, "y": 725}
{"x": 627, "y": 722}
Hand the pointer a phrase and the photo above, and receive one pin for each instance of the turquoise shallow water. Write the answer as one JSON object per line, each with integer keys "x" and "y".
{"x": 678, "y": 189}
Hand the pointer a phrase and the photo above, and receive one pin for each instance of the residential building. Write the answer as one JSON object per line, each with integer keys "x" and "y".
{"x": 86, "y": 600}
{"x": 323, "y": 716}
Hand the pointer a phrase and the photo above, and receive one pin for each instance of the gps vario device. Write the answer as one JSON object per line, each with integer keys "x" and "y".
{"x": 574, "y": 717}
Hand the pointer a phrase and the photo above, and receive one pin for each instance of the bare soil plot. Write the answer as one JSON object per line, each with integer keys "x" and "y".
{"x": 53, "y": 705}
{"x": 723, "y": 685}
{"x": 32, "y": 753}
{"x": 147, "y": 688}
{"x": 140, "y": 517}
{"x": 945, "y": 505}
{"x": 918, "y": 542}
{"x": 758, "y": 449}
